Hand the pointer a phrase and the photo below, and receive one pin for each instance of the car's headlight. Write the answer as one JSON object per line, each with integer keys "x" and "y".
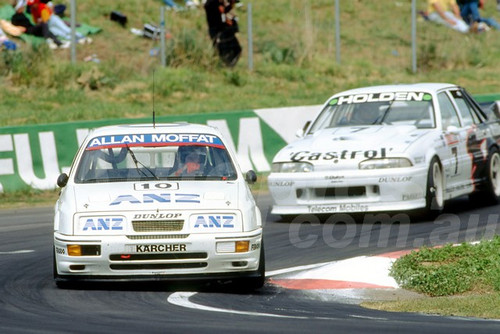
{"x": 292, "y": 167}
{"x": 385, "y": 163}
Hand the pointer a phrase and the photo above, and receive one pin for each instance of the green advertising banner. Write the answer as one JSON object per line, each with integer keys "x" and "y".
{"x": 33, "y": 156}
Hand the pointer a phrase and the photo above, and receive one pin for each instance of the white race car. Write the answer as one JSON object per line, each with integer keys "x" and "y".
{"x": 389, "y": 148}
{"x": 144, "y": 202}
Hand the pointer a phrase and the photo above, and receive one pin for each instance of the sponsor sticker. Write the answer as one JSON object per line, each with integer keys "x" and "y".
{"x": 157, "y": 198}
{"x": 223, "y": 222}
{"x": 149, "y": 139}
{"x": 335, "y": 157}
{"x": 396, "y": 179}
{"x": 381, "y": 97}
{"x": 338, "y": 208}
{"x": 101, "y": 224}
{"x": 160, "y": 248}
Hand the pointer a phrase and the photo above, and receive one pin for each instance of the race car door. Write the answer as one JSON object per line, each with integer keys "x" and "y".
{"x": 455, "y": 159}
{"x": 478, "y": 133}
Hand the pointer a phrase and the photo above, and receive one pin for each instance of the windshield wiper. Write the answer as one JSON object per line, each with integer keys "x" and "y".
{"x": 380, "y": 119}
{"x": 137, "y": 162}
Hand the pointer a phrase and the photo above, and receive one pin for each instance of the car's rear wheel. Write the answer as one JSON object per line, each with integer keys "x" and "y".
{"x": 489, "y": 193}
{"x": 434, "y": 193}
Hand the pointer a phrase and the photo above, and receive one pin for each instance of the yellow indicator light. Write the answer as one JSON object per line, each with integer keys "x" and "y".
{"x": 74, "y": 250}
{"x": 242, "y": 246}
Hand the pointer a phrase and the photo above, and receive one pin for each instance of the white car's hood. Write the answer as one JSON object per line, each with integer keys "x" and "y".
{"x": 349, "y": 145}
{"x": 140, "y": 196}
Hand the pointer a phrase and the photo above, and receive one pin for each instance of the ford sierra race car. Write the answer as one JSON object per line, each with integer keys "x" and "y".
{"x": 162, "y": 202}
{"x": 389, "y": 148}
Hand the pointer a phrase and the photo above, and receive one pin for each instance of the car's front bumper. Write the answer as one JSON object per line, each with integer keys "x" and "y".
{"x": 348, "y": 191}
{"x": 194, "y": 257}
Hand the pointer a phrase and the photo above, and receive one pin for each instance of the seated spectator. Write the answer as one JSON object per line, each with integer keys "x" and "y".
{"x": 41, "y": 12}
{"x": 40, "y": 29}
{"x": 189, "y": 4}
{"x": 446, "y": 12}
{"x": 469, "y": 10}
{"x": 6, "y": 42}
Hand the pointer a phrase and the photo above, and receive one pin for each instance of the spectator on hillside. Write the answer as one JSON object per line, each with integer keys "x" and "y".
{"x": 191, "y": 4}
{"x": 41, "y": 29}
{"x": 446, "y": 12}
{"x": 42, "y": 12}
{"x": 6, "y": 42}
{"x": 469, "y": 10}
{"x": 222, "y": 28}
{"x": 220, "y": 16}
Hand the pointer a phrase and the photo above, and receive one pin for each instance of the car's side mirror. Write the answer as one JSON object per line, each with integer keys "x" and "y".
{"x": 452, "y": 129}
{"x": 62, "y": 180}
{"x": 301, "y": 132}
{"x": 251, "y": 177}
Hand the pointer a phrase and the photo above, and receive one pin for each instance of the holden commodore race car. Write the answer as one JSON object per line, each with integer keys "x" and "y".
{"x": 144, "y": 202}
{"x": 389, "y": 148}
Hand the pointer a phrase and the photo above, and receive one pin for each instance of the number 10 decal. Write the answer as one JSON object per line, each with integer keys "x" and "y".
{"x": 156, "y": 186}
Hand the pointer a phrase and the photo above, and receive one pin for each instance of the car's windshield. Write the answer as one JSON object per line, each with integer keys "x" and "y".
{"x": 136, "y": 158}
{"x": 403, "y": 108}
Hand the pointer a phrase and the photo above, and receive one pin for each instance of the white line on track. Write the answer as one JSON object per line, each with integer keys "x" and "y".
{"x": 299, "y": 268}
{"x": 182, "y": 299}
{"x": 23, "y": 251}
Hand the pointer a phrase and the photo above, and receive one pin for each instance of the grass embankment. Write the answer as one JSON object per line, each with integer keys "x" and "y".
{"x": 294, "y": 61}
{"x": 461, "y": 280}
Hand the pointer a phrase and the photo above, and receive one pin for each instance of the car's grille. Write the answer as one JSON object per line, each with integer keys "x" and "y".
{"x": 157, "y": 256}
{"x": 157, "y": 225}
{"x": 340, "y": 192}
{"x": 157, "y": 236}
{"x": 336, "y": 193}
{"x": 149, "y": 266}
{"x": 157, "y": 261}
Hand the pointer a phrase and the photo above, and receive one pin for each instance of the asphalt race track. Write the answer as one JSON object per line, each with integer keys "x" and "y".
{"x": 31, "y": 303}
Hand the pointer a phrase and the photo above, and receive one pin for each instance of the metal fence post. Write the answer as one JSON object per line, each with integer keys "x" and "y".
{"x": 337, "y": 30}
{"x": 73, "y": 30}
{"x": 414, "y": 36}
{"x": 162, "y": 37}
{"x": 250, "y": 38}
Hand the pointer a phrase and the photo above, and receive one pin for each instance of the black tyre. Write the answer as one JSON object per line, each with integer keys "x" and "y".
{"x": 60, "y": 283}
{"x": 489, "y": 192}
{"x": 252, "y": 283}
{"x": 434, "y": 193}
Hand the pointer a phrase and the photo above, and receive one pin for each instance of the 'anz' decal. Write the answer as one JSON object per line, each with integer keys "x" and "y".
{"x": 159, "y": 198}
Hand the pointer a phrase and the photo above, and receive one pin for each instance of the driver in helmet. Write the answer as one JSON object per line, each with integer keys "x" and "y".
{"x": 366, "y": 115}
{"x": 192, "y": 161}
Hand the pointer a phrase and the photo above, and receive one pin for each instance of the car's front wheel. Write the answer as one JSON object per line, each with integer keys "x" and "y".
{"x": 434, "y": 193}
{"x": 252, "y": 283}
{"x": 60, "y": 283}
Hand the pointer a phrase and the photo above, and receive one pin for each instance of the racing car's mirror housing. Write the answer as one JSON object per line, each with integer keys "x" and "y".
{"x": 62, "y": 180}
{"x": 251, "y": 177}
{"x": 301, "y": 132}
{"x": 452, "y": 129}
